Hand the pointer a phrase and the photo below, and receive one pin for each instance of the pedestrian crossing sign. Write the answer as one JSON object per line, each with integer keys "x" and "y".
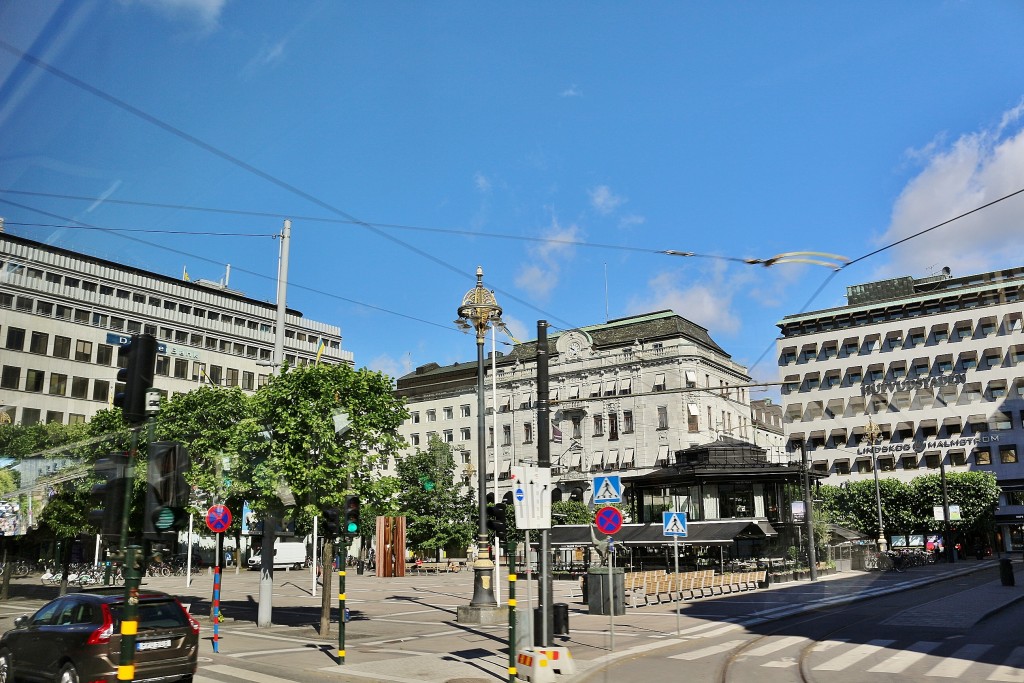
{"x": 607, "y": 489}
{"x": 673, "y": 523}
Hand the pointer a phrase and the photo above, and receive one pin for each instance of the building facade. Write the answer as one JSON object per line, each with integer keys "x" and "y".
{"x": 768, "y": 429}
{"x": 64, "y": 315}
{"x": 935, "y": 364}
{"x": 624, "y": 395}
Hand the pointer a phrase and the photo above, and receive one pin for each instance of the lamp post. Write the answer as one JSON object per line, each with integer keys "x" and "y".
{"x": 479, "y": 310}
{"x": 874, "y": 435}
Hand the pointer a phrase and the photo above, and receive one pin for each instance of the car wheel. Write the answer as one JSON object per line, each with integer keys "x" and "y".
{"x": 6, "y": 675}
{"x": 68, "y": 674}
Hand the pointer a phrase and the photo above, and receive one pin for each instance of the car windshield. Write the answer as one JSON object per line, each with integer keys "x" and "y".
{"x": 154, "y": 614}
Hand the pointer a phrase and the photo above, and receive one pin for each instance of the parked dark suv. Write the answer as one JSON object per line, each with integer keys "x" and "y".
{"x": 77, "y": 638}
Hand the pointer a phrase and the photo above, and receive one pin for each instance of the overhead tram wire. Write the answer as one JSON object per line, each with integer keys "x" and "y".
{"x": 232, "y": 159}
{"x": 863, "y": 257}
{"x": 204, "y": 259}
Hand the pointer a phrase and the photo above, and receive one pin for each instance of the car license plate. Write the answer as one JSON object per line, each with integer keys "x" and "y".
{"x": 152, "y": 644}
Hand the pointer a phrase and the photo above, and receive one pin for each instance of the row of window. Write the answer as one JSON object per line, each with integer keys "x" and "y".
{"x": 125, "y": 325}
{"x": 31, "y": 416}
{"x": 895, "y": 340}
{"x": 35, "y": 381}
{"x": 903, "y": 432}
{"x": 902, "y": 312}
{"x": 448, "y": 413}
{"x": 906, "y": 400}
{"x": 1005, "y": 455}
{"x": 921, "y": 368}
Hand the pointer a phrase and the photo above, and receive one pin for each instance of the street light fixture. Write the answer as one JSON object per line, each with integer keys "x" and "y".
{"x": 480, "y": 310}
{"x": 874, "y": 434}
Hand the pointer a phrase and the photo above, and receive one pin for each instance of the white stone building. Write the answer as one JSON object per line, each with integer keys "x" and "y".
{"x": 624, "y": 396}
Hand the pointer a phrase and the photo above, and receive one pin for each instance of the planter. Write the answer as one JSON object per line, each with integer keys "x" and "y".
{"x": 781, "y": 577}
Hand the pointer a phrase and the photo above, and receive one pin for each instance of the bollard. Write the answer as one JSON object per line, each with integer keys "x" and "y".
{"x": 1006, "y": 572}
{"x": 561, "y": 618}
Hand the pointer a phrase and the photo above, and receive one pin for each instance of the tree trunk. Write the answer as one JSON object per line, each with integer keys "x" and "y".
{"x": 5, "y": 588}
{"x": 326, "y": 599}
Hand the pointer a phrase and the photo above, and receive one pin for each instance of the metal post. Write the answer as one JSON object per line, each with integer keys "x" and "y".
{"x": 511, "y": 612}
{"x": 947, "y": 545}
{"x": 812, "y": 555}
{"x": 874, "y": 433}
{"x": 130, "y": 611}
{"x": 342, "y": 557}
{"x": 544, "y": 460}
{"x": 611, "y": 593}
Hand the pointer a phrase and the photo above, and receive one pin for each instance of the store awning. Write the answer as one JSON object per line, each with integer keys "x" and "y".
{"x": 723, "y": 532}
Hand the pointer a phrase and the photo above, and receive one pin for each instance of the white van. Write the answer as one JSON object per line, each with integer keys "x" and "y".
{"x": 287, "y": 555}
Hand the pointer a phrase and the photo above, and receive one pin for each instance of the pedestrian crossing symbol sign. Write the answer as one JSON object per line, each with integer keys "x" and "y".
{"x": 673, "y": 523}
{"x": 608, "y": 489}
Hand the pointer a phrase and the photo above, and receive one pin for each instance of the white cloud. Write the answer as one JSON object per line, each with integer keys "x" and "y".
{"x": 205, "y": 12}
{"x": 391, "y": 367}
{"x": 631, "y": 221}
{"x": 604, "y": 200}
{"x": 957, "y": 177}
{"x": 540, "y": 276}
{"x": 571, "y": 91}
{"x": 708, "y": 302}
{"x": 483, "y": 184}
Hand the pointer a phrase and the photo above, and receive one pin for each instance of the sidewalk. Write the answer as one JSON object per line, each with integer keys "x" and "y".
{"x": 404, "y": 630}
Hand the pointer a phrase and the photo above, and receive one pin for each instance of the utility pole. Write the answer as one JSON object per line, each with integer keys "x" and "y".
{"x": 544, "y": 460}
{"x": 266, "y": 599}
{"x": 812, "y": 558}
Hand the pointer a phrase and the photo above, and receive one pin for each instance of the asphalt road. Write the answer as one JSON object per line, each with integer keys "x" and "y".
{"x": 917, "y": 635}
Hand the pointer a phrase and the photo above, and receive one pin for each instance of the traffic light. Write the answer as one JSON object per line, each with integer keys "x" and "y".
{"x": 136, "y": 376}
{"x": 332, "y": 522}
{"x": 497, "y": 521}
{"x": 167, "y": 492}
{"x": 110, "y": 490}
{"x": 351, "y": 522}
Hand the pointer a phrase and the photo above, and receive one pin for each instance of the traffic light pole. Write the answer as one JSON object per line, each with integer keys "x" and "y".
{"x": 511, "y": 550}
{"x": 132, "y": 560}
{"x": 342, "y": 557}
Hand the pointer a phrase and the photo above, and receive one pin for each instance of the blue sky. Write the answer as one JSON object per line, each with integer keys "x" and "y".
{"x": 558, "y": 145}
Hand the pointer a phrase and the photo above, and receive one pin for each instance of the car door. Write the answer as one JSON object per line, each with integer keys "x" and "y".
{"x": 33, "y": 653}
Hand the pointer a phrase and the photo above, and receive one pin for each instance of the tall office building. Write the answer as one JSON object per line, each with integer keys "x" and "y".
{"x": 63, "y": 316}
{"x": 934, "y": 364}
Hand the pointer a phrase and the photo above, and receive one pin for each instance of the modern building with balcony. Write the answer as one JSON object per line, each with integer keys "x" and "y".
{"x": 934, "y": 363}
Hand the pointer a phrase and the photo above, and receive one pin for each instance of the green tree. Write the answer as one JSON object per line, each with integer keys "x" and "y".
{"x": 977, "y": 494}
{"x": 438, "y": 514}
{"x": 305, "y": 461}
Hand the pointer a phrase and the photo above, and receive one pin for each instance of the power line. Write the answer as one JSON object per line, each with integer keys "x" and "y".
{"x": 155, "y": 231}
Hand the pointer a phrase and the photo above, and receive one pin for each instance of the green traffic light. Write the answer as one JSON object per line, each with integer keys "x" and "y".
{"x": 164, "y": 520}
{"x": 352, "y": 527}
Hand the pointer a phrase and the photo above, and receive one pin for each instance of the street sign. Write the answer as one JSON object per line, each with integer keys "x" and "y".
{"x": 608, "y": 520}
{"x": 673, "y": 524}
{"x": 531, "y": 496}
{"x": 607, "y": 489}
{"x": 218, "y": 518}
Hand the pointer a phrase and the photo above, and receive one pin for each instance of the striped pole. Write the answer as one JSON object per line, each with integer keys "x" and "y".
{"x": 512, "y": 611}
{"x": 342, "y": 557}
{"x": 216, "y": 607}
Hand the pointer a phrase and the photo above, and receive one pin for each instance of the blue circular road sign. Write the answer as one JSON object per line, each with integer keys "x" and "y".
{"x": 608, "y": 520}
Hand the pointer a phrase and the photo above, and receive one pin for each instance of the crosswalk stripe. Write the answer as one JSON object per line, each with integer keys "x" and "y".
{"x": 775, "y": 646}
{"x": 1011, "y": 670}
{"x": 956, "y": 664}
{"x": 708, "y": 651}
{"x": 244, "y": 674}
{"x": 904, "y": 658}
{"x": 853, "y": 656}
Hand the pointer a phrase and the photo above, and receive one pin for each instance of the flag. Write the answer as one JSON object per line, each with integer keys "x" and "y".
{"x": 184, "y": 274}
{"x": 320, "y": 351}
{"x": 556, "y": 434}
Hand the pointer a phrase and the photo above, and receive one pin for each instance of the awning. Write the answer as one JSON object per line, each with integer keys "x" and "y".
{"x": 718, "y": 532}
{"x": 845, "y": 535}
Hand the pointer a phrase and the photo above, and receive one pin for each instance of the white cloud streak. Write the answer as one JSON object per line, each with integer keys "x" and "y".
{"x": 540, "y": 276}
{"x": 204, "y": 12}
{"x": 603, "y": 200}
{"x": 708, "y": 302}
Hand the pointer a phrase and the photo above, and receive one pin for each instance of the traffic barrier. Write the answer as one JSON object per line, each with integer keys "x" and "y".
{"x": 534, "y": 666}
{"x": 561, "y": 660}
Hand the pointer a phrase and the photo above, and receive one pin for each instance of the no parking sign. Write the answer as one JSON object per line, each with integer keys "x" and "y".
{"x": 218, "y": 518}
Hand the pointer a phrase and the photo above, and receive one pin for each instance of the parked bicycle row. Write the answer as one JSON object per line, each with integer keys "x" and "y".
{"x": 899, "y": 560}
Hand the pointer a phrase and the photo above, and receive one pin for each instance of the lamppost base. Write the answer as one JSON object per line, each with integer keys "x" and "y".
{"x": 481, "y": 615}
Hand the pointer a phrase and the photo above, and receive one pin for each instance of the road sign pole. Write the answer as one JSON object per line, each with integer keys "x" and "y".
{"x": 342, "y": 558}
{"x": 675, "y": 551}
{"x": 611, "y": 592}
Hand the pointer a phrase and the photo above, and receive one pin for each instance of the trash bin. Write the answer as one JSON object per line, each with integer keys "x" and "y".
{"x": 597, "y": 590}
{"x": 1006, "y": 572}
{"x": 538, "y": 627}
{"x": 561, "y": 611}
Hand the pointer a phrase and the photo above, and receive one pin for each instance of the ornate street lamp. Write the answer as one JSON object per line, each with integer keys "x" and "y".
{"x": 480, "y": 310}
{"x": 874, "y": 434}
